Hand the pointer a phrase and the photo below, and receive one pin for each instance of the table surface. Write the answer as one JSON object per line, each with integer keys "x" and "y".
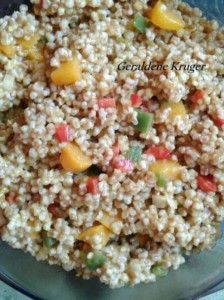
{"x": 8, "y": 293}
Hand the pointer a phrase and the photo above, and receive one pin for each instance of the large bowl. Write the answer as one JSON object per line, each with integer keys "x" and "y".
{"x": 38, "y": 280}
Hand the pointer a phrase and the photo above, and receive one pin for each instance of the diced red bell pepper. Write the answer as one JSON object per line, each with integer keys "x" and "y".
{"x": 218, "y": 122}
{"x": 196, "y": 96}
{"x": 11, "y": 197}
{"x": 56, "y": 210}
{"x": 136, "y": 100}
{"x": 92, "y": 185}
{"x": 158, "y": 152}
{"x": 125, "y": 165}
{"x": 206, "y": 184}
{"x": 106, "y": 102}
{"x": 62, "y": 133}
{"x": 41, "y": 4}
{"x": 116, "y": 150}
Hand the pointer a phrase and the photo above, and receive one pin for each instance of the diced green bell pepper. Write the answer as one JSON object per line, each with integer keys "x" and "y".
{"x": 140, "y": 23}
{"x": 96, "y": 261}
{"x": 160, "y": 181}
{"x": 134, "y": 154}
{"x": 48, "y": 241}
{"x": 145, "y": 121}
{"x": 159, "y": 270}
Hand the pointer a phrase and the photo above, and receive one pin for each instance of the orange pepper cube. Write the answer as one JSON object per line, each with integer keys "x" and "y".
{"x": 68, "y": 73}
{"x": 73, "y": 159}
{"x": 164, "y": 18}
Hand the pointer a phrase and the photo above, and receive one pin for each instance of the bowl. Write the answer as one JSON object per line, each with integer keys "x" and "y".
{"x": 201, "y": 272}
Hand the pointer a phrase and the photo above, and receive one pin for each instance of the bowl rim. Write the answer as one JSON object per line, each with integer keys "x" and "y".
{"x": 24, "y": 291}
{"x": 16, "y": 286}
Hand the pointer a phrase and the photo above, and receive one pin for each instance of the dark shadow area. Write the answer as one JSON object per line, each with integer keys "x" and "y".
{"x": 8, "y": 7}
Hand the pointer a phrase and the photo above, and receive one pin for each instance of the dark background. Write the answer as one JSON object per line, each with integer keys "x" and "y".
{"x": 8, "y": 7}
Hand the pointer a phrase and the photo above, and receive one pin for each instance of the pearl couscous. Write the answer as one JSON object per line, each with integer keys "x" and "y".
{"x": 115, "y": 173}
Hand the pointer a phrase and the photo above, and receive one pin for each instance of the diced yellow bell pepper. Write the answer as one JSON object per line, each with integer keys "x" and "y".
{"x": 168, "y": 169}
{"x": 33, "y": 234}
{"x": 8, "y": 50}
{"x": 68, "y": 73}
{"x": 28, "y": 43}
{"x": 35, "y": 54}
{"x": 164, "y": 18}
{"x": 97, "y": 236}
{"x": 73, "y": 159}
{"x": 177, "y": 109}
{"x": 108, "y": 220}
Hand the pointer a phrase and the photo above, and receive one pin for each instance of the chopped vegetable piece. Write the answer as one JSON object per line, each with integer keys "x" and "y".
{"x": 140, "y": 23}
{"x": 93, "y": 171}
{"x": 125, "y": 165}
{"x": 11, "y": 197}
{"x": 159, "y": 270}
{"x": 176, "y": 109}
{"x": 34, "y": 235}
{"x": 32, "y": 47}
{"x": 48, "y": 241}
{"x": 218, "y": 122}
{"x": 96, "y": 261}
{"x": 206, "y": 184}
{"x": 108, "y": 220}
{"x": 145, "y": 121}
{"x": 35, "y": 54}
{"x": 68, "y": 73}
{"x": 160, "y": 181}
{"x": 164, "y": 18}
{"x": 28, "y": 43}
{"x": 89, "y": 236}
{"x": 158, "y": 152}
{"x": 92, "y": 185}
{"x": 116, "y": 150}
{"x": 8, "y": 50}
{"x": 134, "y": 153}
{"x": 196, "y": 96}
{"x": 136, "y": 100}
{"x": 56, "y": 210}
{"x": 106, "y": 102}
{"x": 167, "y": 169}
{"x": 62, "y": 133}
{"x": 73, "y": 159}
